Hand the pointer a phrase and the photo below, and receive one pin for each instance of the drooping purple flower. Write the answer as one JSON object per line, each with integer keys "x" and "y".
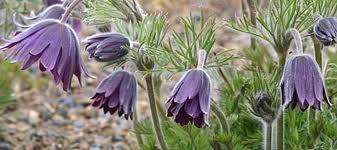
{"x": 190, "y": 99}
{"x": 54, "y": 44}
{"x": 107, "y": 46}
{"x": 326, "y": 31}
{"x": 52, "y": 12}
{"x": 302, "y": 83}
{"x": 118, "y": 92}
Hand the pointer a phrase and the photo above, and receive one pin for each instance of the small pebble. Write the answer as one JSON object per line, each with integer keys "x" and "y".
{"x": 5, "y": 146}
{"x": 78, "y": 124}
{"x": 59, "y": 120}
{"x": 33, "y": 117}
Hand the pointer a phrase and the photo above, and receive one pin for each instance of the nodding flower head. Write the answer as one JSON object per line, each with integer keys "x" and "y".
{"x": 54, "y": 44}
{"x": 326, "y": 31}
{"x": 52, "y": 12}
{"x": 190, "y": 99}
{"x": 107, "y": 46}
{"x": 118, "y": 92}
{"x": 302, "y": 83}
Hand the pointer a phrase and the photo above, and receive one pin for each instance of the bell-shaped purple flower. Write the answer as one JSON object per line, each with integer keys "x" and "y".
{"x": 107, "y": 46}
{"x": 190, "y": 100}
{"x": 118, "y": 92}
{"x": 54, "y": 44}
{"x": 326, "y": 31}
{"x": 302, "y": 83}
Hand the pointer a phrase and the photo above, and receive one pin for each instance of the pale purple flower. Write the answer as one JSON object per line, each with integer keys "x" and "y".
{"x": 118, "y": 92}
{"x": 107, "y": 46}
{"x": 326, "y": 31}
{"x": 54, "y": 44}
{"x": 190, "y": 99}
{"x": 302, "y": 83}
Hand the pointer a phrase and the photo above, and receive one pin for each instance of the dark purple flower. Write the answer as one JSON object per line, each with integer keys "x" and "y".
{"x": 302, "y": 83}
{"x": 326, "y": 31}
{"x": 54, "y": 44}
{"x": 190, "y": 100}
{"x": 107, "y": 46}
{"x": 118, "y": 92}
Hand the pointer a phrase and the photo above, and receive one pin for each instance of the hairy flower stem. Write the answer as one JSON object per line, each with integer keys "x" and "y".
{"x": 154, "y": 112}
{"x": 230, "y": 85}
{"x": 252, "y": 12}
{"x": 157, "y": 85}
{"x": 201, "y": 59}
{"x": 69, "y": 9}
{"x": 280, "y": 134}
{"x": 268, "y": 136}
{"x": 280, "y": 121}
{"x": 297, "y": 38}
{"x": 136, "y": 122}
{"x": 221, "y": 116}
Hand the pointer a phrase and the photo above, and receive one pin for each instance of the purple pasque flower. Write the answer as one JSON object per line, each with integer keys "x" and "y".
{"x": 118, "y": 92}
{"x": 326, "y": 31}
{"x": 52, "y": 12}
{"x": 302, "y": 83}
{"x": 54, "y": 44}
{"x": 190, "y": 99}
{"x": 107, "y": 46}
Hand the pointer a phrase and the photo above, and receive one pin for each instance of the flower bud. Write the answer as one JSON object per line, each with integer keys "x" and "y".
{"x": 326, "y": 31}
{"x": 263, "y": 103}
{"x": 107, "y": 46}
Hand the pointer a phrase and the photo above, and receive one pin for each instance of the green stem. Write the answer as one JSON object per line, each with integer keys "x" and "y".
{"x": 154, "y": 112}
{"x": 252, "y": 11}
{"x": 318, "y": 52}
{"x": 269, "y": 133}
{"x": 223, "y": 75}
{"x": 157, "y": 85}
{"x": 135, "y": 123}
{"x": 280, "y": 137}
{"x": 280, "y": 121}
{"x": 69, "y": 10}
{"x": 221, "y": 116}
{"x": 192, "y": 138}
